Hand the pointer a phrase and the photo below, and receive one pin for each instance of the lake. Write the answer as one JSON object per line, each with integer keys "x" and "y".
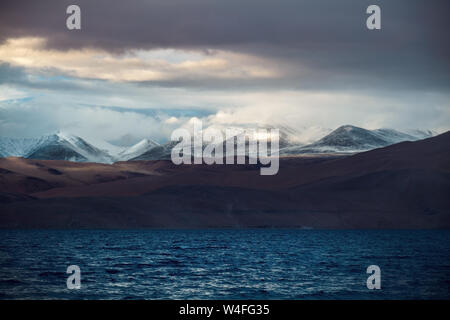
{"x": 224, "y": 264}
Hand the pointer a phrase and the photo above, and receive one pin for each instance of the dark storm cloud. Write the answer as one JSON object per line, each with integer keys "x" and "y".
{"x": 184, "y": 23}
{"x": 328, "y": 38}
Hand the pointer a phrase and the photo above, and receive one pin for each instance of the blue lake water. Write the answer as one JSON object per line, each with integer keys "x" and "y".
{"x": 225, "y": 264}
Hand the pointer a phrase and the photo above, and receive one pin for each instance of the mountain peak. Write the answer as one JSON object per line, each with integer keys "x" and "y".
{"x": 137, "y": 149}
{"x": 64, "y": 135}
{"x": 347, "y": 138}
{"x": 352, "y": 139}
{"x": 348, "y": 127}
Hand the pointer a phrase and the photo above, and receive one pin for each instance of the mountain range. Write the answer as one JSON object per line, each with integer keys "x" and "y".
{"x": 404, "y": 185}
{"x": 351, "y": 139}
{"x": 63, "y": 146}
{"x": 57, "y": 146}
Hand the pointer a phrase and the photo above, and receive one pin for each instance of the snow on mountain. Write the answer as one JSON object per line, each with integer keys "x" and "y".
{"x": 351, "y": 139}
{"x": 160, "y": 152}
{"x": 292, "y": 141}
{"x": 227, "y": 133}
{"x": 345, "y": 139}
{"x": 421, "y": 134}
{"x": 18, "y": 147}
{"x": 393, "y": 136}
{"x": 136, "y": 150}
{"x": 53, "y": 148}
{"x": 87, "y": 150}
{"x": 57, "y": 146}
{"x": 107, "y": 147}
{"x": 288, "y": 136}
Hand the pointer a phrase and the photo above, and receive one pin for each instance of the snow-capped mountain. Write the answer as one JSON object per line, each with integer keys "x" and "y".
{"x": 392, "y": 136}
{"x": 136, "y": 150}
{"x": 57, "y": 146}
{"x": 287, "y": 137}
{"x": 345, "y": 139}
{"x": 351, "y": 139}
{"x": 160, "y": 152}
{"x": 421, "y": 134}
{"x": 16, "y": 146}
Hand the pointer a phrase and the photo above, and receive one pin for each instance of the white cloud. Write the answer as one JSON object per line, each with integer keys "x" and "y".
{"x": 332, "y": 109}
{"x": 9, "y": 93}
{"x": 94, "y": 123}
{"x": 135, "y": 65}
{"x": 172, "y": 120}
{"x": 69, "y": 103}
{"x": 311, "y": 113}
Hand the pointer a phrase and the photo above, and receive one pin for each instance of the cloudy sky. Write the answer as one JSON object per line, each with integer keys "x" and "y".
{"x": 145, "y": 67}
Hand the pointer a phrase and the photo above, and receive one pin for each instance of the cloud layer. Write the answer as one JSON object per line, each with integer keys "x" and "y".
{"x": 135, "y": 64}
{"x": 324, "y": 41}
